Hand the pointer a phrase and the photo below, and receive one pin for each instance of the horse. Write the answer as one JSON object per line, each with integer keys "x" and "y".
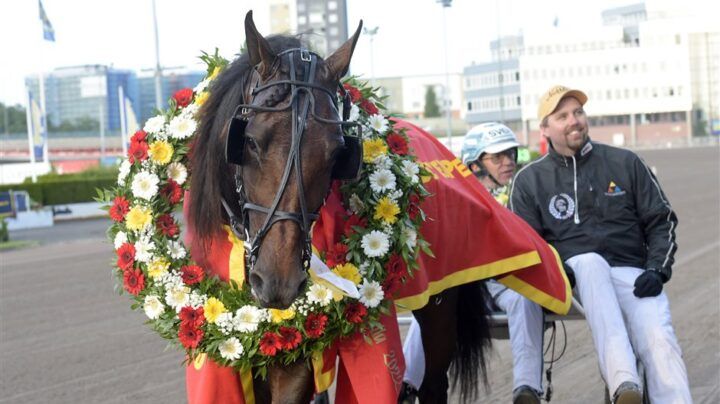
{"x": 269, "y": 142}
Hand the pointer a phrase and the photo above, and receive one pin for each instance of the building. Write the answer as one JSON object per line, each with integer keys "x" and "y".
{"x": 492, "y": 90}
{"x": 173, "y": 79}
{"x": 323, "y": 24}
{"x": 80, "y": 97}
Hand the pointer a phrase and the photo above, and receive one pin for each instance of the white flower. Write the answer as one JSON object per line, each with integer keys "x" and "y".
{"x": 411, "y": 170}
{"x": 153, "y": 307}
{"x": 181, "y": 127}
{"x": 383, "y": 161}
{"x": 123, "y": 172}
{"x": 177, "y": 172}
{"x": 356, "y": 204}
{"x": 371, "y": 294}
{"x": 190, "y": 111}
{"x": 363, "y": 268}
{"x": 145, "y": 185}
{"x": 224, "y": 322}
{"x": 354, "y": 113}
{"x": 375, "y": 244}
{"x": 382, "y": 180}
{"x": 177, "y": 297}
{"x": 120, "y": 239}
{"x": 378, "y": 123}
{"x": 143, "y": 250}
{"x": 155, "y": 125}
{"x": 410, "y": 237}
{"x": 197, "y": 299}
{"x": 230, "y": 349}
{"x": 201, "y": 86}
{"x": 319, "y": 294}
{"x": 395, "y": 195}
{"x": 176, "y": 250}
{"x": 247, "y": 318}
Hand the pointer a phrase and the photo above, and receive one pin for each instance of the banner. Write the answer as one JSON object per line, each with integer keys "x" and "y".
{"x": 48, "y": 30}
{"x": 37, "y": 132}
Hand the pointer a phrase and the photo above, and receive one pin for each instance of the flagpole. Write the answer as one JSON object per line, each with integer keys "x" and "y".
{"x": 43, "y": 119}
{"x": 158, "y": 69}
{"x": 123, "y": 119}
{"x": 31, "y": 143}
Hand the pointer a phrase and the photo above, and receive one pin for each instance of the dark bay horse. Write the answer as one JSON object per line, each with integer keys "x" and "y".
{"x": 270, "y": 141}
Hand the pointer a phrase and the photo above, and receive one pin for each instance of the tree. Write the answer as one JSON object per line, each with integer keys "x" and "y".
{"x": 431, "y": 106}
{"x": 12, "y": 119}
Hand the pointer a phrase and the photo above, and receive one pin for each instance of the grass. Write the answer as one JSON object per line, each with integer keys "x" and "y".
{"x": 17, "y": 244}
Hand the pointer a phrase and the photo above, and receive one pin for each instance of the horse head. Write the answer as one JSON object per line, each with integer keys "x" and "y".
{"x": 273, "y": 116}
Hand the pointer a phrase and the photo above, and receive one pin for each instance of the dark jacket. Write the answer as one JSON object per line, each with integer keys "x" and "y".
{"x": 603, "y": 200}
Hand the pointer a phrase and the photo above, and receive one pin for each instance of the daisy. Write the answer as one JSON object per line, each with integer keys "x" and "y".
{"x": 201, "y": 86}
{"x": 378, "y": 123}
{"x": 354, "y": 113}
{"x": 356, "y": 204}
{"x": 155, "y": 124}
{"x": 144, "y": 250}
{"x": 247, "y": 318}
{"x": 181, "y": 127}
{"x": 383, "y": 161}
{"x": 382, "y": 180}
{"x": 176, "y": 250}
{"x": 158, "y": 268}
{"x": 138, "y": 218}
{"x": 411, "y": 170}
{"x": 177, "y": 172}
{"x": 319, "y": 294}
{"x": 375, "y": 244}
{"x": 123, "y": 172}
{"x": 371, "y": 294}
{"x": 161, "y": 152}
{"x": 387, "y": 210}
{"x": 120, "y": 239}
{"x": 410, "y": 236}
{"x": 177, "y": 297}
{"x": 224, "y": 323}
{"x": 145, "y": 185}
{"x": 213, "y": 308}
{"x": 153, "y": 307}
{"x": 373, "y": 148}
{"x": 230, "y": 349}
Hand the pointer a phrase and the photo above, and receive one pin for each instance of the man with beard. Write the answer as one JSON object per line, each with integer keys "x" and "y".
{"x": 616, "y": 232}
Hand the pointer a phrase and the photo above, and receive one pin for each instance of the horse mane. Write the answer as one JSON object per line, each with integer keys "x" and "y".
{"x": 213, "y": 178}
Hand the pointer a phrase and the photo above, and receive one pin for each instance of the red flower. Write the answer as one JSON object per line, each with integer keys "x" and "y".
{"x": 336, "y": 255}
{"x": 354, "y": 312}
{"x": 190, "y": 317}
{"x": 396, "y": 266}
{"x": 172, "y": 191}
{"x": 369, "y": 107}
{"x": 166, "y": 225}
{"x": 355, "y": 94}
{"x": 414, "y": 206}
{"x": 353, "y": 221}
{"x": 189, "y": 336}
{"x": 315, "y": 324}
{"x": 119, "y": 209}
{"x": 138, "y": 151}
{"x": 183, "y": 97}
{"x": 290, "y": 338}
{"x": 397, "y": 144}
{"x": 126, "y": 256}
{"x": 192, "y": 274}
{"x": 270, "y": 343}
{"x": 134, "y": 281}
{"x": 391, "y": 284}
{"x": 139, "y": 137}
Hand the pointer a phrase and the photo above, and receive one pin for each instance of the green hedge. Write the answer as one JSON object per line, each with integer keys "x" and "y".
{"x": 63, "y": 190}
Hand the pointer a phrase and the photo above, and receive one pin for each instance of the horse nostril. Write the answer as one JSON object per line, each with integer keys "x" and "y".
{"x": 256, "y": 282}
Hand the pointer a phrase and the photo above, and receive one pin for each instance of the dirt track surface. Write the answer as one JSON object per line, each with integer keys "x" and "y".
{"x": 67, "y": 337}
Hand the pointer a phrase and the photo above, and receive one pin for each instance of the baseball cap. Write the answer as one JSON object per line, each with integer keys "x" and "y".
{"x": 550, "y": 100}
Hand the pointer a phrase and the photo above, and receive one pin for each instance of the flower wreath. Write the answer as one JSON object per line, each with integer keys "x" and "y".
{"x": 206, "y": 315}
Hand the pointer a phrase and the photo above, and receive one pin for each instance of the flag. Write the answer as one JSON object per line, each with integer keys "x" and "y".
{"x": 131, "y": 121}
{"x": 36, "y": 130}
{"x": 48, "y": 30}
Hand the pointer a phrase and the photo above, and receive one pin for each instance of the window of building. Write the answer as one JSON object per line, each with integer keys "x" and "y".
{"x": 332, "y": 5}
{"x": 316, "y": 18}
{"x": 302, "y": 20}
{"x": 333, "y": 31}
{"x": 332, "y": 17}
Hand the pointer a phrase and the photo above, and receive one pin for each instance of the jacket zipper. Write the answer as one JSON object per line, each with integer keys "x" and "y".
{"x": 577, "y": 206}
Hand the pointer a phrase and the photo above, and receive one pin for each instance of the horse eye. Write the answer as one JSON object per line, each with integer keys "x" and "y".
{"x": 252, "y": 144}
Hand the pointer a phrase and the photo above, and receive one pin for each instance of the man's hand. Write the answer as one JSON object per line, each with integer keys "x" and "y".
{"x": 648, "y": 284}
{"x": 570, "y": 275}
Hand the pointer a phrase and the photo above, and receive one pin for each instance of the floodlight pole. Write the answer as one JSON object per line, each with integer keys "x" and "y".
{"x": 447, "y": 101}
{"x": 371, "y": 33}
{"x": 158, "y": 70}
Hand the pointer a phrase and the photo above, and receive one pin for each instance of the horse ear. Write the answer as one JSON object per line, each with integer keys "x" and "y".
{"x": 258, "y": 47}
{"x": 339, "y": 61}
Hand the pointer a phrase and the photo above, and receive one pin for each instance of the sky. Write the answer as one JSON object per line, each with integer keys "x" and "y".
{"x": 410, "y": 39}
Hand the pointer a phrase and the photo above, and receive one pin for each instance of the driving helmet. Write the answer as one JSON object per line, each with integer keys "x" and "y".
{"x": 491, "y": 137}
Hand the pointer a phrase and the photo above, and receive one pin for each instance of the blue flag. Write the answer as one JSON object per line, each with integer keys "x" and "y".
{"x": 48, "y": 31}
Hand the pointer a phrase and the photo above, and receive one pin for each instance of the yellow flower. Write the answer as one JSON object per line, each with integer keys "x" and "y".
{"x": 349, "y": 272}
{"x": 386, "y": 210}
{"x": 215, "y": 72}
{"x": 279, "y": 315}
{"x": 213, "y": 308}
{"x": 158, "y": 268}
{"x": 201, "y": 98}
{"x": 161, "y": 152}
{"x": 373, "y": 148}
{"x": 138, "y": 218}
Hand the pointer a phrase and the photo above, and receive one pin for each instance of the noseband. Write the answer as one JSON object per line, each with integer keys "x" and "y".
{"x": 302, "y": 99}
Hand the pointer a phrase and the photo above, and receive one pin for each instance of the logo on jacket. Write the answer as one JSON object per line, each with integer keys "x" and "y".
{"x": 561, "y": 206}
{"x": 614, "y": 190}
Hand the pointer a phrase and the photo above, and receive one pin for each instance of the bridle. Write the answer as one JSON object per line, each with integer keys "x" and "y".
{"x": 302, "y": 99}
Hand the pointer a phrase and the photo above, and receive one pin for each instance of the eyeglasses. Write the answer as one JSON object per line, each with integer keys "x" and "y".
{"x": 497, "y": 158}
